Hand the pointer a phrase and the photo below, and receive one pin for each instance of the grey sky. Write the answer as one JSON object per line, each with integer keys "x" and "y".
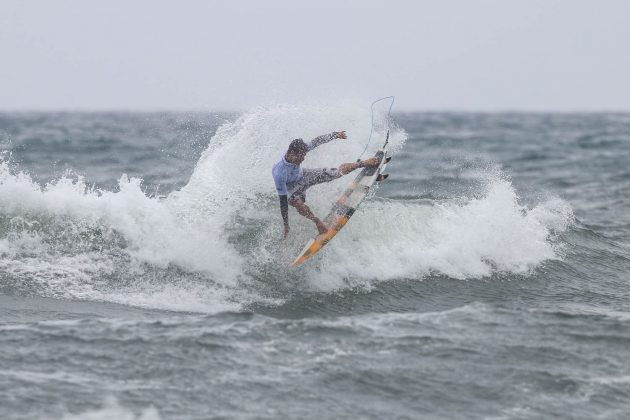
{"x": 213, "y": 55}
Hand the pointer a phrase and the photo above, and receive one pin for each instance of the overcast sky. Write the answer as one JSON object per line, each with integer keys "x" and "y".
{"x": 233, "y": 55}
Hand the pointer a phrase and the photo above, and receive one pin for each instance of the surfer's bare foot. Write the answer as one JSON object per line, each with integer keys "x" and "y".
{"x": 321, "y": 227}
{"x": 373, "y": 161}
{"x": 346, "y": 168}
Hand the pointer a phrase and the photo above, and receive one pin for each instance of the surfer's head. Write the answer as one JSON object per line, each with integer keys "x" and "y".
{"x": 297, "y": 151}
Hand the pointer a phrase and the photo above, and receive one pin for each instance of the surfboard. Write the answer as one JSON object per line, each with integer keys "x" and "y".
{"x": 346, "y": 205}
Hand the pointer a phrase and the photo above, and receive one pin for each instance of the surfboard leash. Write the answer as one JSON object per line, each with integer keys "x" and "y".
{"x": 372, "y": 123}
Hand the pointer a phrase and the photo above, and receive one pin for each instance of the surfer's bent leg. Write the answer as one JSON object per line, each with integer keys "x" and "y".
{"x": 305, "y": 211}
{"x": 311, "y": 177}
{"x": 318, "y": 176}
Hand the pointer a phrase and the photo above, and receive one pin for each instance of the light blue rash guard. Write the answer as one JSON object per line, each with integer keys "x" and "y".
{"x": 286, "y": 174}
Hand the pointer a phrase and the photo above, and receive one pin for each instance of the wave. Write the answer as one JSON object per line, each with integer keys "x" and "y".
{"x": 112, "y": 409}
{"x": 215, "y": 244}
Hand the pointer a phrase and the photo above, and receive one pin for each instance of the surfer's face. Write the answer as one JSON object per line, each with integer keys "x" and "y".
{"x": 295, "y": 158}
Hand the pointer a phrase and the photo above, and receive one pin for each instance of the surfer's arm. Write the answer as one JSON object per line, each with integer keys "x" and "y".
{"x": 284, "y": 210}
{"x": 325, "y": 138}
{"x": 280, "y": 179}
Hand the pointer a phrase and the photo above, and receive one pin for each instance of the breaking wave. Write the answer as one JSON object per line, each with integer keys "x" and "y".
{"x": 215, "y": 244}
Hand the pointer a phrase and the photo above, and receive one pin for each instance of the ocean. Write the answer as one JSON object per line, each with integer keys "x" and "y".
{"x": 143, "y": 274}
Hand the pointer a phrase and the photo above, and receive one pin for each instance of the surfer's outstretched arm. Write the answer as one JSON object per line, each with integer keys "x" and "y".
{"x": 325, "y": 138}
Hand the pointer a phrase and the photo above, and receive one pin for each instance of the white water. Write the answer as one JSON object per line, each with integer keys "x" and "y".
{"x": 465, "y": 240}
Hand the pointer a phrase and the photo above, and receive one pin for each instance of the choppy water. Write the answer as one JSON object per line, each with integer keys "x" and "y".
{"x": 142, "y": 274}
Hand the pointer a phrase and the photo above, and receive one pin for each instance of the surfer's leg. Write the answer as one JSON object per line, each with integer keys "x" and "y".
{"x": 305, "y": 211}
{"x": 318, "y": 176}
{"x": 298, "y": 193}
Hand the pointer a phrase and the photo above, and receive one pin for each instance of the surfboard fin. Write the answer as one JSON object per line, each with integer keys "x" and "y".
{"x": 382, "y": 177}
{"x": 387, "y": 159}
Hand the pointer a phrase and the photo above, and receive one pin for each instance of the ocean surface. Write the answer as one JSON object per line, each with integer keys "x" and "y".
{"x": 143, "y": 273}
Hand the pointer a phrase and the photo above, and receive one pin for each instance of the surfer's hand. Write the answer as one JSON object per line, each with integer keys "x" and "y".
{"x": 341, "y": 135}
{"x": 286, "y": 231}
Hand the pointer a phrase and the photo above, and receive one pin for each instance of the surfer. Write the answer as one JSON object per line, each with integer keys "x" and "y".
{"x": 292, "y": 181}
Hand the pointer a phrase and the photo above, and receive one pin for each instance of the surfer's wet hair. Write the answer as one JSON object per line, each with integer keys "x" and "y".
{"x": 298, "y": 146}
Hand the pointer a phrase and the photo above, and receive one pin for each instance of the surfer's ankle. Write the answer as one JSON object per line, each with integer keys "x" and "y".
{"x": 321, "y": 227}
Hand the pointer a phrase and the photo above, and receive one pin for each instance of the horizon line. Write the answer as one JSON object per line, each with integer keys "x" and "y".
{"x": 184, "y": 110}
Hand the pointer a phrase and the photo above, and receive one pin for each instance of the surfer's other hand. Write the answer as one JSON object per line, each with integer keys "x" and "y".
{"x": 286, "y": 232}
{"x": 341, "y": 135}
